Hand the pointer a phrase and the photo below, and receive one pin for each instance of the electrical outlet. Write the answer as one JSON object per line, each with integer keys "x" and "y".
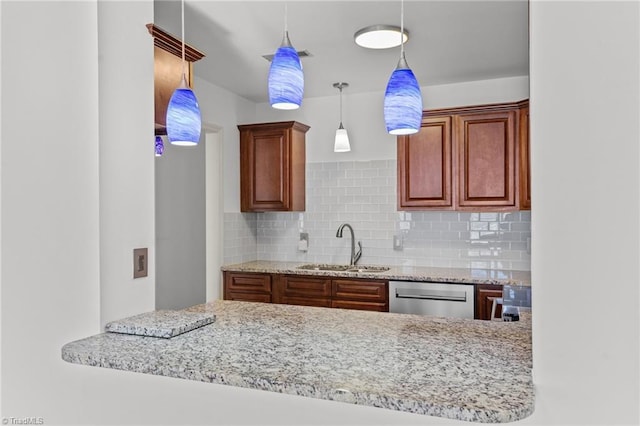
{"x": 140, "y": 262}
{"x": 303, "y": 242}
{"x": 397, "y": 242}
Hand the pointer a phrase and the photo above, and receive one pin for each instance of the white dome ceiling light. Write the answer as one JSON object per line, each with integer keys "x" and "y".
{"x": 380, "y": 36}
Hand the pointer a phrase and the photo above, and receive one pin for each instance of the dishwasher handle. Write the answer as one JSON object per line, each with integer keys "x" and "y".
{"x": 448, "y": 296}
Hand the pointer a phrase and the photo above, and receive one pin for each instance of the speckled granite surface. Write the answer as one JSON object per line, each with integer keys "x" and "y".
{"x": 455, "y": 368}
{"x": 163, "y": 323}
{"x": 402, "y": 273}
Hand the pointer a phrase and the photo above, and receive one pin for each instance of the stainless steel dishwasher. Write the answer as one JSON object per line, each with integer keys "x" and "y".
{"x": 426, "y": 298}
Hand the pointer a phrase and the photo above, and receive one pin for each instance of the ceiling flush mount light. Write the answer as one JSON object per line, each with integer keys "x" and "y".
{"x": 402, "y": 99}
{"x": 342, "y": 139}
{"x": 183, "y": 113}
{"x": 286, "y": 80}
{"x": 380, "y": 36}
{"x": 159, "y": 146}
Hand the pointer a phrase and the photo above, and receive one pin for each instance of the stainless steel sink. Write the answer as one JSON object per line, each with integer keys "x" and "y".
{"x": 342, "y": 268}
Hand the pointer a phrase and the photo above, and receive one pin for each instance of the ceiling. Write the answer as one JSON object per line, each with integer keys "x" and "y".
{"x": 450, "y": 41}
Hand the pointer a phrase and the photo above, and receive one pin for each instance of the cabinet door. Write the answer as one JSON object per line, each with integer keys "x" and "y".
{"x": 425, "y": 167}
{"x": 485, "y": 293}
{"x": 360, "y": 294}
{"x": 302, "y": 290}
{"x": 264, "y": 175}
{"x": 525, "y": 173}
{"x": 272, "y": 166}
{"x": 247, "y": 286}
{"x": 487, "y": 161}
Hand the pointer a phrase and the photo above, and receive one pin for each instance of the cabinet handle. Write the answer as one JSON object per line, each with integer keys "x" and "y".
{"x": 449, "y": 296}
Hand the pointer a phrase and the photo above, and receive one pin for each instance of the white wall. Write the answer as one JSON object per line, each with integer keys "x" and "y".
{"x": 50, "y": 205}
{"x": 585, "y": 108}
{"x": 226, "y": 110}
{"x": 126, "y": 156}
{"x": 586, "y": 365}
{"x": 364, "y": 121}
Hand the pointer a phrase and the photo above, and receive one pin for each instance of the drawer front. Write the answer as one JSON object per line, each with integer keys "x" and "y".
{"x": 306, "y": 301}
{"x": 248, "y": 297}
{"x": 365, "y": 291}
{"x": 363, "y": 306}
{"x": 305, "y": 287}
{"x": 257, "y": 283}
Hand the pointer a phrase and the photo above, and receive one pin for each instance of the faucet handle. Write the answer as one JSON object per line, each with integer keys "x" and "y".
{"x": 358, "y": 254}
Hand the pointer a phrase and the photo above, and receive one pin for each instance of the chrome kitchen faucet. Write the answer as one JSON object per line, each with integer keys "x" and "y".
{"x": 354, "y": 256}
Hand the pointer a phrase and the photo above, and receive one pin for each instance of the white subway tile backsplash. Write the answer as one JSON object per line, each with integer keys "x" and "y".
{"x": 363, "y": 194}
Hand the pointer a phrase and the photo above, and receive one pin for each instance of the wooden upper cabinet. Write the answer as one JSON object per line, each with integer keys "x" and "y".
{"x": 272, "y": 166}
{"x": 167, "y": 70}
{"x": 487, "y": 160}
{"x": 471, "y": 158}
{"x": 425, "y": 167}
{"x": 525, "y": 169}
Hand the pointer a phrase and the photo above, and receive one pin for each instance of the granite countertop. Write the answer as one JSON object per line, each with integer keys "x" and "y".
{"x": 401, "y": 273}
{"x": 454, "y": 368}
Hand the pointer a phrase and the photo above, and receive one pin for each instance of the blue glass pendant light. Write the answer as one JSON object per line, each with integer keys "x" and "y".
{"x": 159, "y": 146}
{"x": 402, "y": 99}
{"x": 183, "y": 113}
{"x": 286, "y": 80}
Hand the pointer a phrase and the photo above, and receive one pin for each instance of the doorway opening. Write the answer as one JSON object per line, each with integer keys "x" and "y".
{"x": 189, "y": 222}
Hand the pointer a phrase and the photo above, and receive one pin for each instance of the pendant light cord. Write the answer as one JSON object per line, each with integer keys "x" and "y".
{"x": 401, "y": 28}
{"x": 184, "y": 65}
{"x": 285, "y": 18}
{"x": 340, "y": 87}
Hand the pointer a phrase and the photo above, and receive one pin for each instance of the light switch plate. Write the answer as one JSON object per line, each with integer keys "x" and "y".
{"x": 140, "y": 262}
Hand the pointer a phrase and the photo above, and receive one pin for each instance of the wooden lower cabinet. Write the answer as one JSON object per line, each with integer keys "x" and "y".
{"x": 485, "y": 293}
{"x": 301, "y": 290}
{"x": 360, "y": 294}
{"x": 248, "y": 287}
{"x": 327, "y": 292}
{"x": 248, "y": 297}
